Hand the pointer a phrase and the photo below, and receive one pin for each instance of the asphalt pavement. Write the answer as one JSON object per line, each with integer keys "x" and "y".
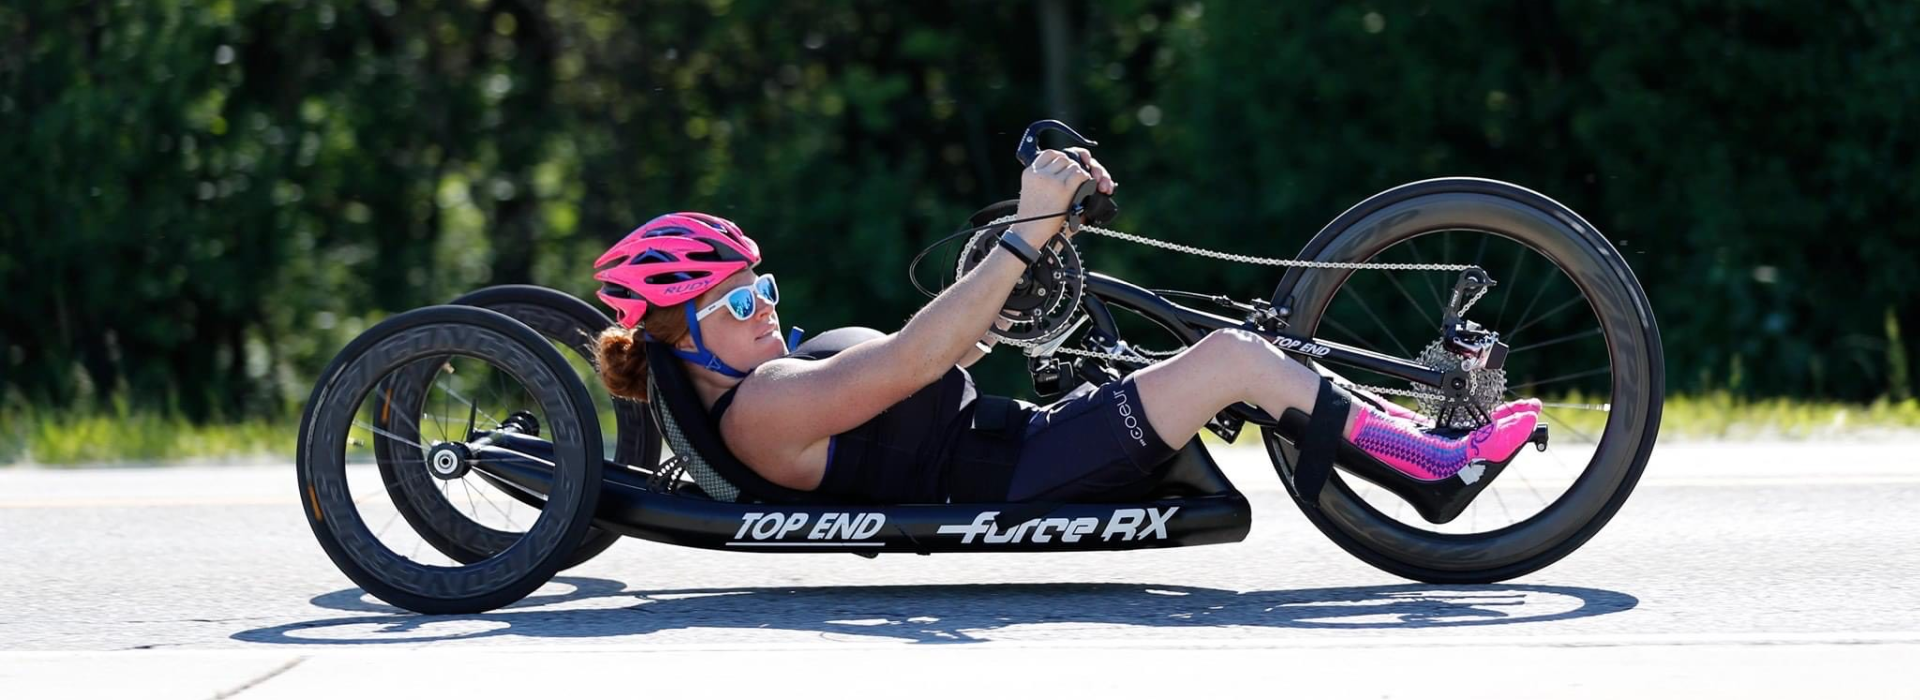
{"x": 1748, "y": 569}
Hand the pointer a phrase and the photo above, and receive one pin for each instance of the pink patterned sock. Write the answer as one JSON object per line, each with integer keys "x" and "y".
{"x": 1395, "y": 410}
{"x": 1427, "y": 457}
{"x": 1511, "y": 407}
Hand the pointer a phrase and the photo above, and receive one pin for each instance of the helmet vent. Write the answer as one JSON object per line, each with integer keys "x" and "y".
{"x": 651, "y": 256}
{"x": 672, "y": 277}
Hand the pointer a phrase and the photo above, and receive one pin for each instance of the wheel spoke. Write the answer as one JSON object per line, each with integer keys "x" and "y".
{"x": 1550, "y": 314}
{"x": 496, "y": 506}
{"x": 1556, "y": 341}
{"x": 446, "y": 406}
{"x": 1581, "y": 406}
{"x": 1528, "y": 312}
{"x": 473, "y": 509}
{"x": 1353, "y": 337}
{"x": 1569, "y": 427}
{"x": 1519, "y": 263}
{"x": 441, "y": 420}
{"x": 390, "y": 436}
{"x": 1395, "y": 281}
{"x": 1555, "y": 454}
{"x": 1561, "y": 378}
{"x": 407, "y": 424}
{"x": 1413, "y": 249}
{"x": 388, "y": 524}
{"x": 1536, "y": 492}
{"x": 1383, "y": 326}
{"x": 462, "y": 399}
{"x": 1563, "y": 424}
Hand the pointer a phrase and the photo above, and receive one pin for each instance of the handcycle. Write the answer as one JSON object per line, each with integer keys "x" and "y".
{"x": 491, "y": 400}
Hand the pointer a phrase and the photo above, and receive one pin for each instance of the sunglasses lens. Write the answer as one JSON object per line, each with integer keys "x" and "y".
{"x": 768, "y": 289}
{"x": 740, "y": 303}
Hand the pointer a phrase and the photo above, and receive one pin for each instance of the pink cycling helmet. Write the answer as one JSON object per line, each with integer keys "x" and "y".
{"x": 669, "y": 260}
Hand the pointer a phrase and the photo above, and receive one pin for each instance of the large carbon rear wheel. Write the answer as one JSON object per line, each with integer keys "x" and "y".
{"x": 1584, "y": 341}
{"x": 470, "y": 348}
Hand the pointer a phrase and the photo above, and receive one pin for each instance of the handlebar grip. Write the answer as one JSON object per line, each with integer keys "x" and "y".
{"x": 1099, "y": 208}
{"x": 1095, "y": 207}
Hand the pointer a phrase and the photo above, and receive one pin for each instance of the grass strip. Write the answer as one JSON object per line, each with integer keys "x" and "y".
{"x": 63, "y": 438}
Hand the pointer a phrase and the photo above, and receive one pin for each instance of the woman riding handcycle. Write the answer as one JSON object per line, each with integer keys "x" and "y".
{"x": 867, "y": 441}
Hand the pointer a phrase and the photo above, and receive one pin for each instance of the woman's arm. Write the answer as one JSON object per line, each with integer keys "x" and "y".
{"x": 793, "y": 404}
{"x": 942, "y": 333}
{"x": 944, "y": 330}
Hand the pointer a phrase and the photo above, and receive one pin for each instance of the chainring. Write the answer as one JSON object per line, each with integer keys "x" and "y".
{"x": 1044, "y": 302}
{"x": 1488, "y": 385}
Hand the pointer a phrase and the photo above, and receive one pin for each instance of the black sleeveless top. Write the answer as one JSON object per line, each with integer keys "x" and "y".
{"x": 928, "y": 448}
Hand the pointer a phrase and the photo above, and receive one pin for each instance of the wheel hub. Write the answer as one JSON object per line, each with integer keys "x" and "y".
{"x": 449, "y": 460}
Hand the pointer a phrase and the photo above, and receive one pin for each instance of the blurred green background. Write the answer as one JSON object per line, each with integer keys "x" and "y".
{"x": 204, "y": 200}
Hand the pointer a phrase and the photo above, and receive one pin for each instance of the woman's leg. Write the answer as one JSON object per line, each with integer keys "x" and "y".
{"x": 1095, "y": 442}
{"x": 1229, "y": 366}
{"x": 1180, "y": 395}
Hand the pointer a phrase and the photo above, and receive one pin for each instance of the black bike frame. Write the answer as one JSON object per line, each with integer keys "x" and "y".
{"x": 1191, "y": 325}
{"x": 631, "y": 504}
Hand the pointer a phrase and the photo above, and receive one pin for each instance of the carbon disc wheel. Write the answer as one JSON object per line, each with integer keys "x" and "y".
{"x": 347, "y": 504}
{"x": 1584, "y": 341}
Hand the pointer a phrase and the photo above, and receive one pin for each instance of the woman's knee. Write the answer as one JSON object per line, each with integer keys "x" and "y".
{"x": 1238, "y": 348}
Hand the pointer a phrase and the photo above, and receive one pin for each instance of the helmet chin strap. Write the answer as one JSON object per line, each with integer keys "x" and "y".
{"x": 705, "y": 358}
{"x": 701, "y": 355}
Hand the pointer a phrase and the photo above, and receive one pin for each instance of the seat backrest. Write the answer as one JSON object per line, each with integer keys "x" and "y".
{"x": 694, "y": 437}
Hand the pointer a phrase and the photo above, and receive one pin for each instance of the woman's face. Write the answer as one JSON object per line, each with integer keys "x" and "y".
{"x": 743, "y": 345}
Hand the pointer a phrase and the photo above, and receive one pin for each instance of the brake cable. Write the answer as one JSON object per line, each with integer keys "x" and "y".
{"x": 915, "y": 264}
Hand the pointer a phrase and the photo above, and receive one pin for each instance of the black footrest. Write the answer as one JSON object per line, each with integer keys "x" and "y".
{"x": 1437, "y": 502}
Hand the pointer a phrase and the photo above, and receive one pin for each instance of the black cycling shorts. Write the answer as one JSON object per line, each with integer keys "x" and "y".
{"x": 1093, "y": 441}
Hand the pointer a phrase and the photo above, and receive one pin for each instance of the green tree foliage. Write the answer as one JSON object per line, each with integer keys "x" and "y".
{"x": 205, "y": 199}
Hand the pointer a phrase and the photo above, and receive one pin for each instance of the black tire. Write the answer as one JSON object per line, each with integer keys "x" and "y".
{"x": 561, "y": 318}
{"x": 394, "y": 346}
{"x": 1634, "y": 357}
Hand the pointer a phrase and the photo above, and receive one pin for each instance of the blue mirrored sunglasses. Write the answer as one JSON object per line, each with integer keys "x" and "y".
{"x": 743, "y": 301}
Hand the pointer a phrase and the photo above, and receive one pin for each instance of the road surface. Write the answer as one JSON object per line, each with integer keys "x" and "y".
{"x": 1751, "y": 570}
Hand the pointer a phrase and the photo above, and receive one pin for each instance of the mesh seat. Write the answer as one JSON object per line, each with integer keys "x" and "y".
{"x": 695, "y": 439}
{"x": 702, "y": 472}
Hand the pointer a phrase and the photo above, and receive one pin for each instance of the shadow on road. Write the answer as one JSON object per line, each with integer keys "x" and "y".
{"x": 943, "y": 614}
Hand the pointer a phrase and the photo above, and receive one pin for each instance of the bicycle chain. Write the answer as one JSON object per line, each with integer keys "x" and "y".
{"x": 1474, "y": 300}
{"x": 1148, "y": 357}
{"x": 1275, "y": 262}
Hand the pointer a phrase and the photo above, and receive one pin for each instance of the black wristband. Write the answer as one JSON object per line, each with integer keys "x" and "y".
{"x": 1019, "y": 247}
